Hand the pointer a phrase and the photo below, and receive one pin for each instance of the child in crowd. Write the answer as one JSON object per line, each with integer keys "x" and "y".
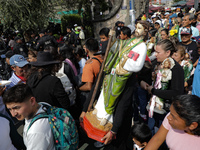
{"x": 104, "y": 34}
{"x": 150, "y": 43}
{"x": 141, "y": 135}
{"x": 184, "y": 60}
{"x": 80, "y": 56}
{"x": 32, "y": 56}
{"x": 125, "y": 33}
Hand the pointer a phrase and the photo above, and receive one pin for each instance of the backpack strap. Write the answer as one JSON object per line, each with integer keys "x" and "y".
{"x": 40, "y": 115}
{"x": 96, "y": 59}
{"x": 72, "y": 66}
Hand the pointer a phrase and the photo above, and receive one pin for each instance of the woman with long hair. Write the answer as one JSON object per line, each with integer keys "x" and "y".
{"x": 181, "y": 126}
{"x": 45, "y": 85}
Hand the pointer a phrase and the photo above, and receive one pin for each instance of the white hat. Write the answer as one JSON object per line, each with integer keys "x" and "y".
{"x": 159, "y": 22}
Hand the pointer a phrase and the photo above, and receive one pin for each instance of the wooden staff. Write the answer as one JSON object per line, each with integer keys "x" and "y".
{"x": 101, "y": 71}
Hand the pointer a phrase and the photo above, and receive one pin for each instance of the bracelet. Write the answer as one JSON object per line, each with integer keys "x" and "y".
{"x": 113, "y": 135}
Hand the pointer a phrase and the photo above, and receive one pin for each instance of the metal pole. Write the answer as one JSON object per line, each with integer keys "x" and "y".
{"x": 132, "y": 4}
{"x": 132, "y": 12}
{"x": 196, "y": 4}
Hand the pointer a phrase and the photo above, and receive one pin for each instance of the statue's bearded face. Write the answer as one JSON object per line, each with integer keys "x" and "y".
{"x": 139, "y": 31}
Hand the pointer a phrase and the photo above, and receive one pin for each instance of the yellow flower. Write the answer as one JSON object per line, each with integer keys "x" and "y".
{"x": 172, "y": 32}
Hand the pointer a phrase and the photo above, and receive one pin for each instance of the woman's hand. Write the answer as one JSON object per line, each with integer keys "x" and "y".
{"x": 157, "y": 139}
{"x": 82, "y": 116}
{"x": 144, "y": 85}
{"x": 185, "y": 84}
{"x": 149, "y": 88}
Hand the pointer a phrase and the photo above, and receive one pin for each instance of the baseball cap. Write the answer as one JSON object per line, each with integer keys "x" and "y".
{"x": 173, "y": 16}
{"x": 3, "y": 56}
{"x": 102, "y": 48}
{"x": 185, "y": 30}
{"x": 17, "y": 38}
{"x": 18, "y": 60}
{"x": 159, "y": 22}
{"x": 197, "y": 38}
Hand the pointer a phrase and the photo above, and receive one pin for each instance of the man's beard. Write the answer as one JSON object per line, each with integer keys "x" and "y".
{"x": 137, "y": 34}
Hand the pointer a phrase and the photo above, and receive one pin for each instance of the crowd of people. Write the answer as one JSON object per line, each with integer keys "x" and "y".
{"x": 149, "y": 87}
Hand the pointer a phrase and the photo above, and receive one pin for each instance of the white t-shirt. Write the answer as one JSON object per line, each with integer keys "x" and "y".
{"x": 5, "y": 141}
{"x": 39, "y": 136}
{"x": 81, "y": 35}
{"x": 11, "y": 43}
{"x": 82, "y": 64}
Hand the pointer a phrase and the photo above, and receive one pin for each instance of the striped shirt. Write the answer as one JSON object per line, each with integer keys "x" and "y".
{"x": 14, "y": 81}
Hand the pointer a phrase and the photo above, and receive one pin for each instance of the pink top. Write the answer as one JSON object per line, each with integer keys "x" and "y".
{"x": 198, "y": 26}
{"x": 179, "y": 140}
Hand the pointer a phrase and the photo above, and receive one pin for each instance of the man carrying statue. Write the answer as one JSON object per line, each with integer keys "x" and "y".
{"x": 114, "y": 105}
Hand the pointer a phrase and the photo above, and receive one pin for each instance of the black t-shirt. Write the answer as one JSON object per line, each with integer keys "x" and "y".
{"x": 192, "y": 50}
{"x": 46, "y": 40}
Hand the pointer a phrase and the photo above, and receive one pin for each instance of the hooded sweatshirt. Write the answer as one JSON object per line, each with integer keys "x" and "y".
{"x": 48, "y": 88}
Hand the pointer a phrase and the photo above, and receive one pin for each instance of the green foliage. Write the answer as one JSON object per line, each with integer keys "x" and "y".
{"x": 70, "y": 20}
{"x": 35, "y": 14}
{"x": 25, "y": 14}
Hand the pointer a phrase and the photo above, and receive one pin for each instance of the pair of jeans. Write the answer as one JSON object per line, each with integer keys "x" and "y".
{"x": 156, "y": 121}
{"x": 142, "y": 97}
{"x": 139, "y": 100}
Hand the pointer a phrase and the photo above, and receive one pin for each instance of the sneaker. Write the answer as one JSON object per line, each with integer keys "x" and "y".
{"x": 98, "y": 144}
